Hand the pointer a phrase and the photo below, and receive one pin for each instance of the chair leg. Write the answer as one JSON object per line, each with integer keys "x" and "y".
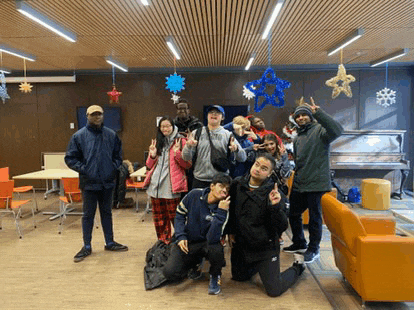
{"x": 16, "y": 221}
{"x": 136, "y": 200}
{"x": 62, "y": 208}
{"x": 35, "y": 200}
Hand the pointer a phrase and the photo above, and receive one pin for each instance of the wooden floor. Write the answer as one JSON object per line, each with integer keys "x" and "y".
{"x": 38, "y": 272}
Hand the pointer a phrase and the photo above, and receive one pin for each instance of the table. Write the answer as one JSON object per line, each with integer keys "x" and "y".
{"x": 140, "y": 173}
{"x": 407, "y": 216}
{"x": 51, "y": 174}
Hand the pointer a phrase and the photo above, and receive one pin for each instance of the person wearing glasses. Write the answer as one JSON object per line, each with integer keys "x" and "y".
{"x": 166, "y": 179}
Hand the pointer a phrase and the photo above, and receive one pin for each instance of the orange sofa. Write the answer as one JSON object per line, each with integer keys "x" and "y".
{"x": 378, "y": 264}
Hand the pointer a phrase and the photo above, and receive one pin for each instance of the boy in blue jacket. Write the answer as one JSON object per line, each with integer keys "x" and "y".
{"x": 199, "y": 222}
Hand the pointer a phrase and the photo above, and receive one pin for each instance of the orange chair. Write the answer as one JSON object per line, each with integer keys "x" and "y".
{"x": 138, "y": 186}
{"x": 72, "y": 195}
{"x": 5, "y": 176}
{"x": 7, "y": 205}
{"x": 374, "y": 260}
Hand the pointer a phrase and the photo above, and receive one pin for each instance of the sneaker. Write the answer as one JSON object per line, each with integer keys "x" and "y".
{"x": 281, "y": 241}
{"x": 80, "y": 256}
{"x": 295, "y": 249}
{"x": 115, "y": 246}
{"x": 310, "y": 256}
{"x": 299, "y": 263}
{"x": 214, "y": 287}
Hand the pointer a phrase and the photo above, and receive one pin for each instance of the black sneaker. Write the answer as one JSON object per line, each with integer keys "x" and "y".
{"x": 295, "y": 249}
{"x": 195, "y": 274}
{"x": 214, "y": 287}
{"x": 80, "y": 256}
{"x": 310, "y": 256}
{"x": 115, "y": 246}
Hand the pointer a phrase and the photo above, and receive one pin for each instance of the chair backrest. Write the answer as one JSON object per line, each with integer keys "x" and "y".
{"x": 4, "y": 174}
{"x": 6, "y": 193}
{"x": 342, "y": 222}
{"x": 71, "y": 188}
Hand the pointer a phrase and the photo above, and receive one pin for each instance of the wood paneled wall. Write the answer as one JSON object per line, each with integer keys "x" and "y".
{"x": 39, "y": 121}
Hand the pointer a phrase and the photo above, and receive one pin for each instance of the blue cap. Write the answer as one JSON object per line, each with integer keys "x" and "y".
{"x": 218, "y": 108}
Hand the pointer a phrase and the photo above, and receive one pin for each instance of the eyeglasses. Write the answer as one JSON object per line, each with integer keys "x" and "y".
{"x": 165, "y": 126}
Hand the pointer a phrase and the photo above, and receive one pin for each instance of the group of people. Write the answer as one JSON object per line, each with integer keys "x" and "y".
{"x": 212, "y": 181}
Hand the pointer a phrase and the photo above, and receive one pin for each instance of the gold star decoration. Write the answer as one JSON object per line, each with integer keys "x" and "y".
{"x": 345, "y": 79}
{"x": 25, "y": 87}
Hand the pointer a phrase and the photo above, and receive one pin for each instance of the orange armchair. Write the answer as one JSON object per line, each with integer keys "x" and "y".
{"x": 378, "y": 264}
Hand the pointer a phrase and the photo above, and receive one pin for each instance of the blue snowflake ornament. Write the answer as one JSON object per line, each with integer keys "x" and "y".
{"x": 3, "y": 89}
{"x": 175, "y": 83}
{"x": 258, "y": 87}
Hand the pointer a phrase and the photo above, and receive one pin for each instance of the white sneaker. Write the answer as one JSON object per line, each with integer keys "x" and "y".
{"x": 299, "y": 259}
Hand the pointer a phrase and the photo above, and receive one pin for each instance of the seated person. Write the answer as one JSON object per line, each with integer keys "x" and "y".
{"x": 256, "y": 221}
{"x": 199, "y": 222}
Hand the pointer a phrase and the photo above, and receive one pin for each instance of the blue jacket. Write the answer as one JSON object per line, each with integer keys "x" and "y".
{"x": 96, "y": 155}
{"x": 196, "y": 220}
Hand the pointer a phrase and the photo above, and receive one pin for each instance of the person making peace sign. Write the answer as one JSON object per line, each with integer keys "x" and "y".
{"x": 166, "y": 178}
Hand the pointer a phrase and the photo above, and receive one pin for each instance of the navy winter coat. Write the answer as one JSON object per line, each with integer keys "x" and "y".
{"x": 96, "y": 155}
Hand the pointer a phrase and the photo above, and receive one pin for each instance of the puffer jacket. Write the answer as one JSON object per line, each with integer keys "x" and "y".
{"x": 96, "y": 154}
{"x": 311, "y": 152}
{"x": 256, "y": 224}
{"x": 177, "y": 168}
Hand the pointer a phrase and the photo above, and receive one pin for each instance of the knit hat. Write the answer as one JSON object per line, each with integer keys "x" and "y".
{"x": 302, "y": 109}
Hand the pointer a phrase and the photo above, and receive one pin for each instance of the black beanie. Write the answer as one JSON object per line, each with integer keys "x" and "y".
{"x": 302, "y": 109}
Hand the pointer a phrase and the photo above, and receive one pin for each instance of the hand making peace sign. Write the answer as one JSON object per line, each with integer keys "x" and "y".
{"x": 191, "y": 140}
{"x": 152, "y": 148}
{"x": 313, "y": 107}
{"x": 177, "y": 145}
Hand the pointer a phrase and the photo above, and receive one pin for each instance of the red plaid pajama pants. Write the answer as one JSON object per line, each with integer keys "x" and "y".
{"x": 163, "y": 214}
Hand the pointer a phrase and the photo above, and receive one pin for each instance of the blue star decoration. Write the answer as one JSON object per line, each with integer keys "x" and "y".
{"x": 3, "y": 89}
{"x": 175, "y": 83}
{"x": 258, "y": 87}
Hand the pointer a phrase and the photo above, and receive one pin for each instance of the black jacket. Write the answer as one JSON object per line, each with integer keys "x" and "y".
{"x": 256, "y": 224}
{"x": 192, "y": 123}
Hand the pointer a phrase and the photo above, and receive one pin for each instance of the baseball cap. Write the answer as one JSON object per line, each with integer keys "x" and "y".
{"x": 218, "y": 108}
{"x": 94, "y": 108}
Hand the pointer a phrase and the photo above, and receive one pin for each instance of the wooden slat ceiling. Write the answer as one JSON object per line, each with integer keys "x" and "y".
{"x": 209, "y": 33}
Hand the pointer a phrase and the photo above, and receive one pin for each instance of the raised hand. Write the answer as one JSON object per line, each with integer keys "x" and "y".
{"x": 153, "y": 148}
{"x": 225, "y": 203}
{"x": 233, "y": 146}
{"x": 313, "y": 107}
{"x": 191, "y": 140}
{"x": 250, "y": 134}
{"x": 257, "y": 147}
{"x": 274, "y": 196}
{"x": 177, "y": 146}
{"x": 282, "y": 148}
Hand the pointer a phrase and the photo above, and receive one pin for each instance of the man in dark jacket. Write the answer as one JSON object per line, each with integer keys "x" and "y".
{"x": 184, "y": 121}
{"x": 199, "y": 223}
{"x": 312, "y": 176}
{"x": 256, "y": 221}
{"x": 95, "y": 152}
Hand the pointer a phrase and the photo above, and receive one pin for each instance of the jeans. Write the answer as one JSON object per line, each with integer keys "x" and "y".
{"x": 91, "y": 198}
{"x": 299, "y": 202}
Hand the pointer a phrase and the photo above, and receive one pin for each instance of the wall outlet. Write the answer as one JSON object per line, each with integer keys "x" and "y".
{"x": 72, "y": 125}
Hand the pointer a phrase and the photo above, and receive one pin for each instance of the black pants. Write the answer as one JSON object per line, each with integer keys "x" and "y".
{"x": 91, "y": 199}
{"x": 299, "y": 202}
{"x": 275, "y": 283}
{"x": 179, "y": 263}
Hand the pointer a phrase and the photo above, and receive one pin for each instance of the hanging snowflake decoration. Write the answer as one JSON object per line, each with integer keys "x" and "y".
{"x": 175, "y": 83}
{"x": 3, "y": 89}
{"x": 247, "y": 93}
{"x": 386, "y": 97}
{"x": 25, "y": 87}
{"x": 175, "y": 98}
{"x": 258, "y": 88}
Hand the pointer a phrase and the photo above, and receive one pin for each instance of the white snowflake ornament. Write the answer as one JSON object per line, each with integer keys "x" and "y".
{"x": 386, "y": 97}
{"x": 247, "y": 93}
{"x": 175, "y": 98}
